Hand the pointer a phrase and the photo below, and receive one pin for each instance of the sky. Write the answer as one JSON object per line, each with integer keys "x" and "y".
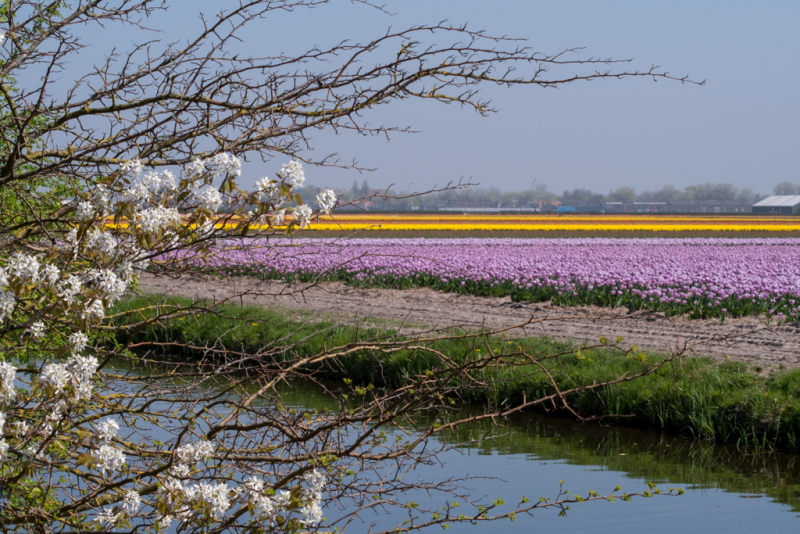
{"x": 740, "y": 127}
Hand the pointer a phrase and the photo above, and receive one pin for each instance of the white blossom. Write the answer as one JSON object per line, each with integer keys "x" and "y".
{"x": 205, "y": 230}
{"x": 125, "y": 271}
{"x": 152, "y": 220}
{"x": 107, "y": 518}
{"x": 316, "y": 483}
{"x": 82, "y": 369}
{"x": 269, "y": 192}
{"x": 109, "y": 458}
{"x": 78, "y": 341}
{"x": 194, "y": 452}
{"x": 204, "y": 449}
{"x": 210, "y": 199}
{"x": 152, "y": 181}
{"x": 94, "y": 311}
{"x": 85, "y": 210}
{"x": 280, "y": 217}
{"x": 292, "y": 173}
{"x": 100, "y": 241}
{"x": 168, "y": 181}
{"x": 311, "y": 513}
{"x": 25, "y": 267}
{"x": 215, "y": 498}
{"x": 132, "y": 501}
{"x": 70, "y": 288}
{"x": 2, "y": 37}
{"x": 171, "y": 487}
{"x": 7, "y": 375}
{"x": 3, "y": 450}
{"x": 70, "y": 242}
{"x": 136, "y": 193}
{"x": 3, "y": 277}
{"x": 133, "y": 166}
{"x": 107, "y": 429}
{"x": 101, "y": 198}
{"x": 51, "y": 274}
{"x": 282, "y": 499}
{"x": 76, "y": 373}
{"x": 20, "y": 429}
{"x": 53, "y": 418}
{"x": 253, "y": 486}
{"x": 326, "y": 200}
{"x": 34, "y": 451}
{"x": 107, "y": 283}
{"x": 164, "y": 521}
{"x": 263, "y": 506}
{"x": 7, "y": 304}
{"x": 302, "y": 215}
{"x": 224, "y": 163}
{"x": 197, "y": 167}
{"x": 180, "y": 470}
{"x": 56, "y": 376}
{"x": 36, "y": 330}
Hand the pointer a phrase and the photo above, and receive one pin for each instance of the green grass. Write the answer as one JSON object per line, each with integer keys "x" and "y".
{"x": 721, "y": 402}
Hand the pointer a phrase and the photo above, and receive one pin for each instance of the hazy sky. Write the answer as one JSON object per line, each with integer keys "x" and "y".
{"x": 741, "y": 127}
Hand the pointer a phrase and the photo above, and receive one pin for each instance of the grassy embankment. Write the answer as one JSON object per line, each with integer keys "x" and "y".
{"x": 721, "y": 402}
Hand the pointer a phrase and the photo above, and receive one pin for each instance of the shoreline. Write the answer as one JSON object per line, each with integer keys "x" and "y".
{"x": 726, "y": 402}
{"x": 751, "y": 340}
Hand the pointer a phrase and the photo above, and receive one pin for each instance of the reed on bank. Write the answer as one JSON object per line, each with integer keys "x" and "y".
{"x": 722, "y": 402}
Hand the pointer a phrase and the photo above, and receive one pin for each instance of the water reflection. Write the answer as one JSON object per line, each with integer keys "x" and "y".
{"x": 738, "y": 491}
{"x": 727, "y": 490}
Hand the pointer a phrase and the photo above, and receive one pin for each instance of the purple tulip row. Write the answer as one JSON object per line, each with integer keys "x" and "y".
{"x": 698, "y": 277}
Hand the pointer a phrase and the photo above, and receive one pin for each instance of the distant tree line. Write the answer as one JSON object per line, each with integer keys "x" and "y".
{"x": 694, "y": 193}
{"x": 494, "y": 197}
{"x": 786, "y": 188}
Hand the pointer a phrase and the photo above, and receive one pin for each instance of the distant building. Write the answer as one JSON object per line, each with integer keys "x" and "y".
{"x": 491, "y": 210}
{"x": 706, "y": 206}
{"x": 778, "y": 204}
{"x": 710, "y": 206}
{"x": 635, "y": 207}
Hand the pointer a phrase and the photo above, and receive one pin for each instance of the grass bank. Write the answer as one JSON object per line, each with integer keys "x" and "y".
{"x": 721, "y": 402}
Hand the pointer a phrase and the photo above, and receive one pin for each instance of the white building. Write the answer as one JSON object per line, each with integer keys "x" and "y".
{"x": 778, "y": 204}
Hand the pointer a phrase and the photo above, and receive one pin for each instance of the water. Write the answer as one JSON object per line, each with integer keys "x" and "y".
{"x": 726, "y": 490}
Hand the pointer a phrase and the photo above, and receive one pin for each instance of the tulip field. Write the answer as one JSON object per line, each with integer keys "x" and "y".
{"x": 525, "y": 222}
{"x": 698, "y": 278}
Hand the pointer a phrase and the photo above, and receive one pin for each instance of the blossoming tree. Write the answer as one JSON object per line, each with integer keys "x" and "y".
{"x": 135, "y": 166}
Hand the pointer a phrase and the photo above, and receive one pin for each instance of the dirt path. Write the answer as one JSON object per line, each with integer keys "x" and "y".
{"x": 422, "y": 309}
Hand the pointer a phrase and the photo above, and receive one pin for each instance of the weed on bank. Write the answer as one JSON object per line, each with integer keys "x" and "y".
{"x": 699, "y": 397}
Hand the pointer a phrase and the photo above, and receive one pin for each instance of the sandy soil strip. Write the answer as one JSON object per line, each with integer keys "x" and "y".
{"x": 744, "y": 339}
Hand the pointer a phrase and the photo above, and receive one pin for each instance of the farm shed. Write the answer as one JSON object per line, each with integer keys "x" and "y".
{"x": 778, "y": 204}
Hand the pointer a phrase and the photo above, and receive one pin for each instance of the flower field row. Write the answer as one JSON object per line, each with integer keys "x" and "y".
{"x": 626, "y": 222}
{"x": 583, "y": 226}
{"x": 697, "y": 277}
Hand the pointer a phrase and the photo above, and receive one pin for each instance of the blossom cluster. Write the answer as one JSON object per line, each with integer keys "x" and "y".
{"x": 266, "y": 508}
{"x": 55, "y": 299}
{"x": 277, "y": 193}
{"x": 74, "y": 377}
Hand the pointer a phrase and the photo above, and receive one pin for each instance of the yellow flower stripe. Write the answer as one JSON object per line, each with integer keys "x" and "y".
{"x": 555, "y": 223}
{"x": 351, "y": 222}
{"x": 322, "y": 226}
{"x": 555, "y": 218}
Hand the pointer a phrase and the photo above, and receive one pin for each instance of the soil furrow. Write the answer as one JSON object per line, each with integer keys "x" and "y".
{"x": 417, "y": 310}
